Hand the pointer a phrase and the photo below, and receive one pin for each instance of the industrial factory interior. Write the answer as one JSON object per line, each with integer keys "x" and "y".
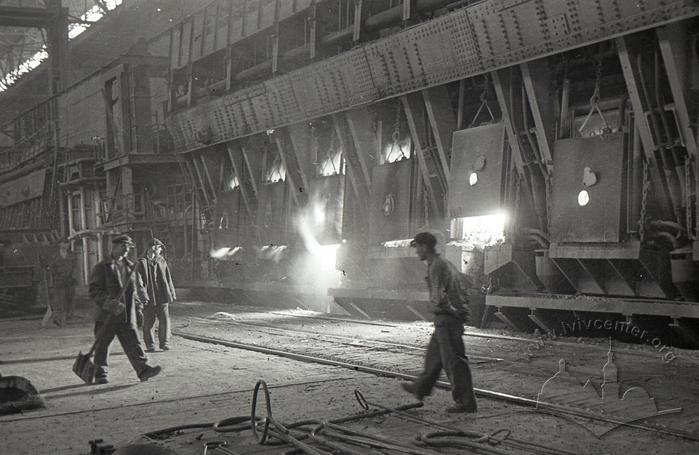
{"x": 381, "y": 227}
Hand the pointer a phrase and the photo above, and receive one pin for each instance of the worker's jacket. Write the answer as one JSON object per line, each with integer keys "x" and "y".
{"x": 448, "y": 289}
{"x": 156, "y": 277}
{"x": 106, "y": 283}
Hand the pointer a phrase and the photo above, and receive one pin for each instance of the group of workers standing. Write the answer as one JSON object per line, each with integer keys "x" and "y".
{"x": 127, "y": 295}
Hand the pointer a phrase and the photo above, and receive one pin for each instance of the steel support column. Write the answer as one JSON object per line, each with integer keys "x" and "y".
{"x": 536, "y": 78}
{"x": 366, "y": 147}
{"x": 641, "y": 122}
{"x": 293, "y": 176}
{"x": 210, "y": 181}
{"x": 674, "y": 43}
{"x": 417, "y": 128}
{"x": 236, "y": 159}
{"x": 443, "y": 123}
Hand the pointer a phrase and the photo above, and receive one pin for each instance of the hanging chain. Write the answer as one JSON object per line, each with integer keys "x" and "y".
{"x": 688, "y": 195}
{"x": 484, "y": 102}
{"x": 426, "y": 204}
{"x": 644, "y": 202}
{"x": 594, "y": 102}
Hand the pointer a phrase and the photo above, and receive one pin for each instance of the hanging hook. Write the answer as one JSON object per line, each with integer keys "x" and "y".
{"x": 594, "y": 101}
{"x": 484, "y": 102}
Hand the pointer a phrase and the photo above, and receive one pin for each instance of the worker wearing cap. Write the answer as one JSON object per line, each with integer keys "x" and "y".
{"x": 161, "y": 292}
{"x": 118, "y": 317}
{"x": 446, "y": 348}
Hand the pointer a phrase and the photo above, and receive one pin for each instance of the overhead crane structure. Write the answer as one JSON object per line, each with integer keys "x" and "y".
{"x": 54, "y": 19}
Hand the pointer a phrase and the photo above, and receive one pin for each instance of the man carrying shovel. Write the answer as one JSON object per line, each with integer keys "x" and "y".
{"x": 117, "y": 317}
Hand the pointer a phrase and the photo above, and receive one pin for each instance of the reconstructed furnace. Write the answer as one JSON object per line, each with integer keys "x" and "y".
{"x": 553, "y": 143}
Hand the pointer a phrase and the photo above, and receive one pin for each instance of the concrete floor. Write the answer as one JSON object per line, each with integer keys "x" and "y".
{"x": 206, "y": 382}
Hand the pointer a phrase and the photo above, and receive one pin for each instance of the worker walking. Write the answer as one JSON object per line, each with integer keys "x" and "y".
{"x": 62, "y": 271}
{"x": 118, "y": 317}
{"x": 161, "y": 292}
{"x": 446, "y": 348}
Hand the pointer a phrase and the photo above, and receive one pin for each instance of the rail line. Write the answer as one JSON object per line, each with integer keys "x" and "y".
{"x": 354, "y": 341}
{"x": 548, "y": 340}
{"x": 551, "y": 408}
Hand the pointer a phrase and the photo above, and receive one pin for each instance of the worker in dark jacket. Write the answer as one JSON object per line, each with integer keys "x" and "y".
{"x": 118, "y": 317}
{"x": 63, "y": 272}
{"x": 161, "y": 292}
{"x": 446, "y": 348}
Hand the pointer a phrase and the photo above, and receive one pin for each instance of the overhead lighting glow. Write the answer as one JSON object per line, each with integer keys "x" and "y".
{"x": 583, "y": 198}
{"x": 473, "y": 178}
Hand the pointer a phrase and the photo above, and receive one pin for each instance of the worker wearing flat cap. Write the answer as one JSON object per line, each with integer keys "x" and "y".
{"x": 448, "y": 297}
{"x": 161, "y": 292}
{"x": 118, "y": 317}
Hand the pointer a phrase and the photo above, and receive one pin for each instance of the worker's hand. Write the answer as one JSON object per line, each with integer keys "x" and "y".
{"x": 114, "y": 306}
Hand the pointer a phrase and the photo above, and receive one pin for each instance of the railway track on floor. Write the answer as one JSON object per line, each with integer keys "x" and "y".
{"x": 390, "y": 366}
{"x": 345, "y": 340}
{"x": 534, "y": 340}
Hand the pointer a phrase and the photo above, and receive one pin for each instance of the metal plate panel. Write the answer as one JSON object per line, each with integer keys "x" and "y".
{"x": 486, "y": 144}
{"x": 481, "y": 37}
{"x": 389, "y": 217}
{"x": 306, "y": 92}
{"x": 436, "y": 52}
{"x": 600, "y": 219}
{"x": 282, "y": 100}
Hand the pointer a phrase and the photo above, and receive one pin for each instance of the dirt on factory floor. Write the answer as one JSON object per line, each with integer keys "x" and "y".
{"x": 220, "y": 351}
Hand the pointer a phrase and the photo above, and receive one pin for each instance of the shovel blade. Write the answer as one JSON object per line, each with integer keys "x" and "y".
{"x": 84, "y": 368}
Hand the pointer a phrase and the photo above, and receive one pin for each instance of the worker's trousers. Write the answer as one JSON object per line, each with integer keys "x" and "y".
{"x": 446, "y": 350}
{"x": 150, "y": 313}
{"x": 128, "y": 337}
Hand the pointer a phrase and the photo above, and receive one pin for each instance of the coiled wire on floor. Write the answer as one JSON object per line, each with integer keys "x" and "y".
{"x": 324, "y": 437}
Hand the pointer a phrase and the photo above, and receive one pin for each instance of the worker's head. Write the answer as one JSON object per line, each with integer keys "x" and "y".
{"x": 155, "y": 247}
{"x": 424, "y": 244}
{"x": 121, "y": 244}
